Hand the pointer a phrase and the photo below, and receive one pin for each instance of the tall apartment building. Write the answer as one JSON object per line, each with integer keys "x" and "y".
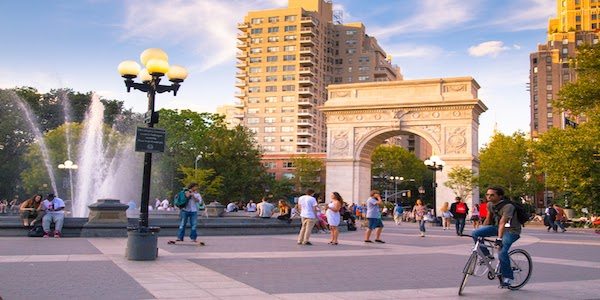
{"x": 577, "y": 22}
{"x": 286, "y": 59}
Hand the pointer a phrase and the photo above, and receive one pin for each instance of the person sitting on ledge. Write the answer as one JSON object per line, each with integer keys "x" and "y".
{"x": 251, "y": 207}
{"x": 30, "y": 210}
{"x": 285, "y": 211}
{"x": 265, "y": 209}
{"x": 54, "y": 208}
{"x": 231, "y": 207}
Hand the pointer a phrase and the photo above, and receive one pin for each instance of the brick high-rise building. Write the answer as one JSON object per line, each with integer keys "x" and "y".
{"x": 286, "y": 59}
{"x": 577, "y": 22}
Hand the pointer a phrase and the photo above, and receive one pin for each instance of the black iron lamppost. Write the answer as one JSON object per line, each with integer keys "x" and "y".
{"x": 156, "y": 62}
{"x": 435, "y": 164}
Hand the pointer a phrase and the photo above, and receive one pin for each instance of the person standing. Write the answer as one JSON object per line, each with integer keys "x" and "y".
{"x": 307, "y": 205}
{"x": 54, "y": 213}
{"x": 333, "y": 216}
{"x": 459, "y": 210}
{"x": 475, "y": 216}
{"x": 398, "y": 212}
{"x": 550, "y": 217}
{"x": 189, "y": 213}
{"x": 419, "y": 211}
{"x": 446, "y": 215}
{"x": 502, "y": 222}
{"x": 374, "y": 217}
{"x": 560, "y": 218}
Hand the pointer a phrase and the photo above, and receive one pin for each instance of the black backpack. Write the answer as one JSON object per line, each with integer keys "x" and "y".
{"x": 36, "y": 231}
{"x": 520, "y": 212}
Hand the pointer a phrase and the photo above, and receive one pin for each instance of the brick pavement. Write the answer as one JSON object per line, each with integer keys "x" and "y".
{"x": 566, "y": 266}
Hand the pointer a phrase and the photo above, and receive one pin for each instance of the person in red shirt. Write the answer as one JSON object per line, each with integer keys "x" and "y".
{"x": 459, "y": 210}
{"x": 483, "y": 210}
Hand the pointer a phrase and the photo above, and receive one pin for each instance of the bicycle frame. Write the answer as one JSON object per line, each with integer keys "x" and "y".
{"x": 482, "y": 257}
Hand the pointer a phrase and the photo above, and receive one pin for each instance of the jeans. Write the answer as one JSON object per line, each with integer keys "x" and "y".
{"x": 507, "y": 240}
{"x": 58, "y": 220}
{"x": 460, "y": 225}
{"x": 183, "y": 219}
{"x": 422, "y": 225}
{"x": 559, "y": 224}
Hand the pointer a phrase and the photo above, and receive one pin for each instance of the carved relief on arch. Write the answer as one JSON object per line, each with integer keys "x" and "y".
{"x": 340, "y": 146}
{"x": 340, "y": 94}
{"x": 361, "y": 132}
{"x": 434, "y": 131}
{"x": 456, "y": 140}
{"x": 453, "y": 88}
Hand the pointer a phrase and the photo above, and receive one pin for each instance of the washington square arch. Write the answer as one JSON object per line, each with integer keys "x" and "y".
{"x": 444, "y": 111}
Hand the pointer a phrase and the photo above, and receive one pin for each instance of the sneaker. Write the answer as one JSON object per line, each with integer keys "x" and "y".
{"x": 46, "y": 235}
{"x": 308, "y": 243}
{"x": 57, "y": 235}
{"x": 368, "y": 241}
{"x": 380, "y": 241}
{"x": 506, "y": 282}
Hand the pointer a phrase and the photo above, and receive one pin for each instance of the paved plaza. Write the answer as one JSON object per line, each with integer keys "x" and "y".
{"x": 566, "y": 266}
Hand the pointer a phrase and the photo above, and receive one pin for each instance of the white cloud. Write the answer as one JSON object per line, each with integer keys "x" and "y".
{"x": 430, "y": 15}
{"x": 526, "y": 15}
{"x": 412, "y": 50}
{"x": 206, "y": 27}
{"x": 490, "y": 48}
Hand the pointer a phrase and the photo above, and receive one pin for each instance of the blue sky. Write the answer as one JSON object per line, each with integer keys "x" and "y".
{"x": 78, "y": 44}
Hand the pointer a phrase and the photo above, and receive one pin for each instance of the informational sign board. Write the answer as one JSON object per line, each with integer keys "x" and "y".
{"x": 150, "y": 140}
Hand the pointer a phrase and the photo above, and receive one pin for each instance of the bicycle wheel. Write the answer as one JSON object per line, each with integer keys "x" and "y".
{"x": 521, "y": 265}
{"x": 468, "y": 270}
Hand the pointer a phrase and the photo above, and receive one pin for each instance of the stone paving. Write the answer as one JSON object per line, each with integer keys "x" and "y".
{"x": 566, "y": 266}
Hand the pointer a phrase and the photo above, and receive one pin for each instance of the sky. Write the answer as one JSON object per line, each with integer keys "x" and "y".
{"x": 78, "y": 45}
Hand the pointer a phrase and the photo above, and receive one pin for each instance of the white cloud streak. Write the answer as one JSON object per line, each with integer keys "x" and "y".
{"x": 490, "y": 48}
{"x": 526, "y": 15}
{"x": 206, "y": 27}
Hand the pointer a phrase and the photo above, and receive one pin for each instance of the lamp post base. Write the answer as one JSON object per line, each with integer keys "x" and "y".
{"x": 142, "y": 244}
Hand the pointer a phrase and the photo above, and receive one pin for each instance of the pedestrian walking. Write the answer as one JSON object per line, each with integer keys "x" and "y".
{"x": 475, "y": 216}
{"x": 550, "y": 218}
{"x": 374, "y": 217}
{"x": 307, "y": 204}
{"x": 560, "y": 218}
{"x": 398, "y": 212}
{"x": 333, "y": 216}
{"x": 459, "y": 210}
{"x": 446, "y": 215}
{"x": 419, "y": 211}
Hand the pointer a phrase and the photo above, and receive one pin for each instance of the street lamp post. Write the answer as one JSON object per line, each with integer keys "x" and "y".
{"x": 396, "y": 179}
{"x": 198, "y": 158}
{"x": 69, "y": 165}
{"x": 434, "y": 163}
{"x": 156, "y": 62}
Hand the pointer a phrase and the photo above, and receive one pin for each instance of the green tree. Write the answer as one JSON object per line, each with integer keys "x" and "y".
{"x": 211, "y": 185}
{"x": 583, "y": 95}
{"x": 391, "y": 160}
{"x": 507, "y": 161}
{"x": 462, "y": 181}
{"x": 307, "y": 173}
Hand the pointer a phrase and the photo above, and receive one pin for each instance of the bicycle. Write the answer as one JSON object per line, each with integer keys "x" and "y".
{"x": 479, "y": 265}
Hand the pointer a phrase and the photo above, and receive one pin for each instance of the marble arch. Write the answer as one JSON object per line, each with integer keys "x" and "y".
{"x": 444, "y": 111}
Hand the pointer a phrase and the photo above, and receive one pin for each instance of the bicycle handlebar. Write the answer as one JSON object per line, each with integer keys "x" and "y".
{"x": 481, "y": 238}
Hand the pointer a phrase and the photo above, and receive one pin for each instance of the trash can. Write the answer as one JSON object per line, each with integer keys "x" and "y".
{"x": 142, "y": 243}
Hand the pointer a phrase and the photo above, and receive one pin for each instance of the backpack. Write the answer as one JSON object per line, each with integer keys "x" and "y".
{"x": 522, "y": 215}
{"x": 399, "y": 209}
{"x": 180, "y": 199}
{"x": 461, "y": 208}
{"x": 36, "y": 231}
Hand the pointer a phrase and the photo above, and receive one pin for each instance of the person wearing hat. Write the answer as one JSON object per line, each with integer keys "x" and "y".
{"x": 54, "y": 208}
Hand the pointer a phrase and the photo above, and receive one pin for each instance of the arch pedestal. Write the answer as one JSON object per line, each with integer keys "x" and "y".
{"x": 445, "y": 112}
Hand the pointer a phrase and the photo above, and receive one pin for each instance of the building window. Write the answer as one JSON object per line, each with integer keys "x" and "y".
{"x": 255, "y": 50}
{"x": 271, "y": 69}
{"x": 548, "y": 87}
{"x": 287, "y": 109}
{"x": 270, "y": 99}
{"x": 288, "y": 175}
{"x": 287, "y": 138}
{"x": 253, "y": 120}
{"x": 288, "y": 77}
{"x": 363, "y": 78}
{"x": 273, "y": 19}
{"x": 255, "y": 59}
{"x": 287, "y": 128}
{"x": 289, "y": 68}
{"x": 272, "y": 49}
{"x": 272, "y": 58}
{"x": 289, "y": 57}
{"x": 288, "y": 119}
{"x": 273, "y": 29}
{"x": 256, "y": 20}
{"x": 288, "y": 88}
{"x": 253, "y": 111}
{"x": 350, "y": 51}
{"x": 270, "y": 120}
{"x": 289, "y": 38}
{"x": 271, "y": 78}
{"x": 253, "y": 129}
{"x": 271, "y": 88}
{"x": 253, "y": 100}
{"x": 535, "y": 69}
{"x": 288, "y": 164}
{"x": 273, "y": 39}
{"x": 290, "y": 28}
{"x": 289, "y": 18}
{"x": 254, "y": 79}
{"x": 270, "y": 110}
{"x": 270, "y": 129}
{"x": 256, "y": 40}
{"x": 268, "y": 148}
{"x": 287, "y": 148}
{"x": 350, "y": 32}
{"x": 289, "y": 48}
{"x": 288, "y": 98}
{"x": 577, "y": 18}
{"x": 269, "y": 165}
{"x": 364, "y": 68}
{"x": 254, "y": 89}
{"x": 548, "y": 96}
{"x": 256, "y": 30}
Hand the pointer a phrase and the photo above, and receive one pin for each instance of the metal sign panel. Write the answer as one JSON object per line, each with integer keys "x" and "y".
{"x": 150, "y": 140}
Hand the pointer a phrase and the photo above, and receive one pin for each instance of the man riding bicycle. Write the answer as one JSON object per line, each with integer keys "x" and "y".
{"x": 505, "y": 224}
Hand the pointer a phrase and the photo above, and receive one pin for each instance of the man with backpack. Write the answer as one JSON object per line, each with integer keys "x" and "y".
{"x": 459, "y": 210}
{"x": 550, "y": 217}
{"x": 501, "y": 221}
{"x": 188, "y": 205}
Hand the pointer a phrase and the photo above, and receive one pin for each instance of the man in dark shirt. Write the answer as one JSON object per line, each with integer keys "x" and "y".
{"x": 459, "y": 210}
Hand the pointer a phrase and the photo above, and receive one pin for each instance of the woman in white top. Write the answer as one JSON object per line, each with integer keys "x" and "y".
{"x": 333, "y": 216}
